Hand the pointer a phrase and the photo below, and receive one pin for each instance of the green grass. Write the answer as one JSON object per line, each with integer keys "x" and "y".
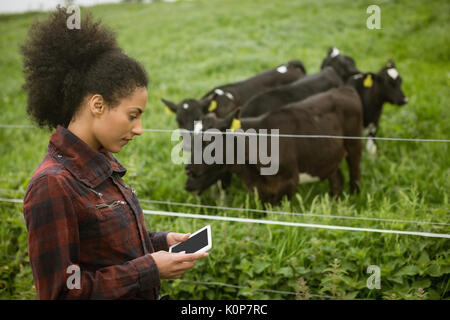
{"x": 190, "y": 47}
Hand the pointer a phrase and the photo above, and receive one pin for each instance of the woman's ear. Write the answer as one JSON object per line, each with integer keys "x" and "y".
{"x": 96, "y": 104}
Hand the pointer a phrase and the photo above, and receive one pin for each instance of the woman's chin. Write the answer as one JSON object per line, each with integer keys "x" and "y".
{"x": 114, "y": 149}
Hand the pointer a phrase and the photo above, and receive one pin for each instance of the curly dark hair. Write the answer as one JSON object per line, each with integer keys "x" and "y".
{"x": 62, "y": 66}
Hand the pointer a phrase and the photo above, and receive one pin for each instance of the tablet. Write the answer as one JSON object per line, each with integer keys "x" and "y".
{"x": 199, "y": 241}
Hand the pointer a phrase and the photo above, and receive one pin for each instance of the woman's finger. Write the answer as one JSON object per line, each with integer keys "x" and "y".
{"x": 184, "y": 266}
{"x": 190, "y": 256}
{"x": 183, "y": 236}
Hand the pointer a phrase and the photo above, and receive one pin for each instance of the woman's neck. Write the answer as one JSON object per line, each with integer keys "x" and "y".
{"x": 84, "y": 132}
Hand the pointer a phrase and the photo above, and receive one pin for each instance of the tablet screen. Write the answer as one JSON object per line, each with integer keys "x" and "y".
{"x": 195, "y": 243}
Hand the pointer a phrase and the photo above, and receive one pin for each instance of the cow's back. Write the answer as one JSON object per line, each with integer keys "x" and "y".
{"x": 265, "y": 80}
{"x": 295, "y": 91}
{"x": 325, "y": 114}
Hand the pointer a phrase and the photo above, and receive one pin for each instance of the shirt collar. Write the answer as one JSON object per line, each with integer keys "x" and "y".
{"x": 88, "y": 165}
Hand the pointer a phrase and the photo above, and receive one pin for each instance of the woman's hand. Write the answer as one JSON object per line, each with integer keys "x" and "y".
{"x": 173, "y": 265}
{"x": 174, "y": 238}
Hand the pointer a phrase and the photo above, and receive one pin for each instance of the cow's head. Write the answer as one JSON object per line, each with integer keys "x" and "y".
{"x": 375, "y": 89}
{"x": 188, "y": 111}
{"x": 384, "y": 86}
{"x": 344, "y": 65}
{"x": 201, "y": 176}
{"x": 221, "y": 102}
{"x": 391, "y": 82}
{"x": 294, "y": 65}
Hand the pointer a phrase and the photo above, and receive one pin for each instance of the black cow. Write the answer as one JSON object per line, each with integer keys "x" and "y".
{"x": 336, "y": 68}
{"x": 344, "y": 65}
{"x": 337, "y": 112}
{"x": 296, "y": 91}
{"x": 374, "y": 90}
{"x": 224, "y": 99}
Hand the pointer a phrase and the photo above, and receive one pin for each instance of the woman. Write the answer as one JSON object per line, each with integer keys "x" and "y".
{"x": 87, "y": 235}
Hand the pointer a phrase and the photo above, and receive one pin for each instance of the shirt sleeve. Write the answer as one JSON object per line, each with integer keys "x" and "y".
{"x": 54, "y": 250}
{"x": 159, "y": 240}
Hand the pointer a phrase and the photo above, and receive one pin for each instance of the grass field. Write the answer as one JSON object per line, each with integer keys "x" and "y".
{"x": 188, "y": 47}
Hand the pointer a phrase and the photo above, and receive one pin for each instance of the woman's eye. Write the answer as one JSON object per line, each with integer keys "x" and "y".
{"x": 133, "y": 117}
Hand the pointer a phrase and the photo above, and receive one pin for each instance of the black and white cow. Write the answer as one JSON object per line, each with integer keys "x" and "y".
{"x": 223, "y": 99}
{"x": 345, "y": 66}
{"x": 374, "y": 90}
{"x": 336, "y": 68}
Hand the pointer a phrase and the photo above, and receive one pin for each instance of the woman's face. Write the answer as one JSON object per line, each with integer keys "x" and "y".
{"x": 117, "y": 126}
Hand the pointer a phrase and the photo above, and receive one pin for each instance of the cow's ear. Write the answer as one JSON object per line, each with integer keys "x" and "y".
{"x": 235, "y": 123}
{"x": 390, "y": 64}
{"x": 326, "y": 59}
{"x": 235, "y": 113}
{"x": 368, "y": 80}
{"x": 230, "y": 120}
{"x": 209, "y": 104}
{"x": 170, "y": 106}
{"x": 333, "y": 52}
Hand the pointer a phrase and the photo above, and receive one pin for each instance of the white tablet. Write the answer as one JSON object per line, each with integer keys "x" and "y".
{"x": 200, "y": 241}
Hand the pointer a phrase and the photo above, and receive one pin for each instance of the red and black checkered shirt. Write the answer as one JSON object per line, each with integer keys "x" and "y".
{"x": 81, "y": 215}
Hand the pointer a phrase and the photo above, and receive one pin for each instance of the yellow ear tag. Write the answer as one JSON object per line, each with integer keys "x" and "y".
{"x": 368, "y": 82}
{"x": 168, "y": 111}
{"x": 212, "y": 106}
{"x": 236, "y": 124}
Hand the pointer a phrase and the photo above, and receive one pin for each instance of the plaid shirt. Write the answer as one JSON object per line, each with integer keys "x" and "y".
{"x": 81, "y": 215}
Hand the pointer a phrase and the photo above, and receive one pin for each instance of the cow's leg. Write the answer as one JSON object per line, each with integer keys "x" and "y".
{"x": 255, "y": 182}
{"x": 225, "y": 180}
{"x": 272, "y": 190}
{"x": 336, "y": 181}
{"x": 275, "y": 187}
{"x": 371, "y": 132}
{"x": 354, "y": 152}
{"x": 286, "y": 187}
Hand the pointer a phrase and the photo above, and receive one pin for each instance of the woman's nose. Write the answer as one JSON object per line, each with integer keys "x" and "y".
{"x": 137, "y": 130}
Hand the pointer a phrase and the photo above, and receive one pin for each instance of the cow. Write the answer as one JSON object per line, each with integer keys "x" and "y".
{"x": 336, "y": 69}
{"x": 224, "y": 99}
{"x": 296, "y": 91}
{"x": 374, "y": 90}
{"x": 337, "y": 112}
{"x": 344, "y": 65}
